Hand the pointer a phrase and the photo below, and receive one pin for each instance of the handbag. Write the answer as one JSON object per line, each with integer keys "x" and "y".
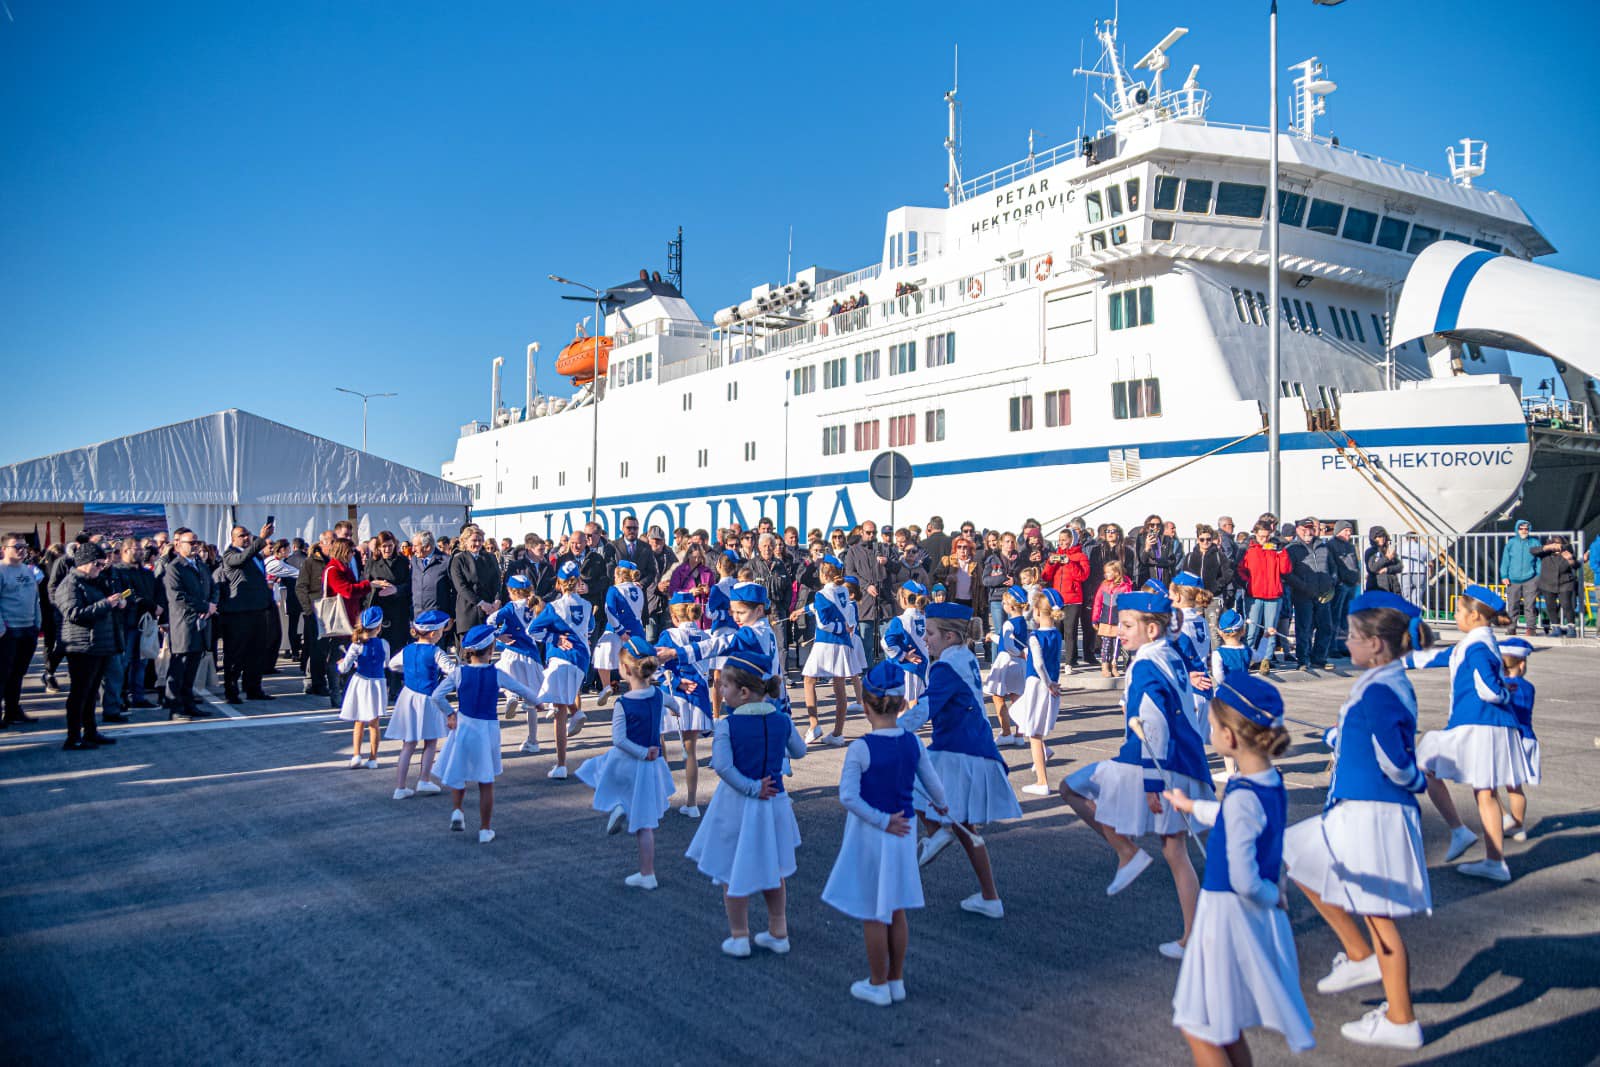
{"x": 149, "y": 638}
{"x": 332, "y": 620}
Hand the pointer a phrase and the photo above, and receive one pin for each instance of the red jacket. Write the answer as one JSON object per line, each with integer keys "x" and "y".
{"x": 342, "y": 584}
{"x": 1262, "y": 571}
{"x": 1067, "y": 576}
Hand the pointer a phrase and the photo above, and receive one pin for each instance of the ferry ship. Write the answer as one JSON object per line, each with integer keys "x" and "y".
{"x": 1081, "y": 332}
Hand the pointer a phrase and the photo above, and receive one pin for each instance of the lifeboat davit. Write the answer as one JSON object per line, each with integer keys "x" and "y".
{"x": 577, "y": 360}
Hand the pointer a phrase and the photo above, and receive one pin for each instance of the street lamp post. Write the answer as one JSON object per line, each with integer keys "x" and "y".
{"x": 600, "y": 299}
{"x": 364, "y": 398}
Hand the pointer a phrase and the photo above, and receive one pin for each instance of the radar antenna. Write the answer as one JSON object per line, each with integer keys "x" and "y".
{"x": 952, "y": 138}
{"x": 1156, "y": 61}
{"x": 1311, "y": 90}
{"x": 1470, "y": 163}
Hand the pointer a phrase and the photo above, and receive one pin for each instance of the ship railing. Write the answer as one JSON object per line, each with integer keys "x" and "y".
{"x": 846, "y": 282}
{"x": 663, "y": 327}
{"x": 1328, "y": 142}
{"x": 683, "y": 368}
{"x": 1022, "y": 168}
{"x": 1435, "y": 569}
{"x": 1554, "y": 413}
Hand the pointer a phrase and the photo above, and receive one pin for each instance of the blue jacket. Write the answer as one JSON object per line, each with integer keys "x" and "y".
{"x": 1375, "y": 743}
{"x": 1516, "y": 559}
{"x": 1158, "y": 693}
{"x": 1478, "y": 694}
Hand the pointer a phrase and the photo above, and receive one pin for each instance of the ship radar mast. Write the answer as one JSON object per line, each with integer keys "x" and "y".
{"x": 952, "y": 137}
{"x": 1310, "y": 99}
{"x": 1133, "y": 103}
{"x": 1469, "y": 164}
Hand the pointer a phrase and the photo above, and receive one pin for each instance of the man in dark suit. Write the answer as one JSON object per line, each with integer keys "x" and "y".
{"x": 242, "y": 618}
{"x": 936, "y": 543}
{"x": 636, "y": 551}
{"x": 191, "y": 604}
{"x": 475, "y": 576}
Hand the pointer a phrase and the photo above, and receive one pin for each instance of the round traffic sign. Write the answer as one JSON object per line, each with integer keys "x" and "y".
{"x": 890, "y": 475}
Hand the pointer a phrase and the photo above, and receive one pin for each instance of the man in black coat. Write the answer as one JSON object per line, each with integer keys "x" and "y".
{"x": 475, "y": 575}
{"x": 936, "y": 543}
{"x": 191, "y": 605}
{"x": 242, "y": 613}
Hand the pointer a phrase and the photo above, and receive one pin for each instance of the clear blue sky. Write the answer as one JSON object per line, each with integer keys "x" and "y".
{"x": 212, "y": 205}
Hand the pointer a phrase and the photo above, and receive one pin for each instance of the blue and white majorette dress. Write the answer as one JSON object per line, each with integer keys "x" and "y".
{"x": 415, "y": 719}
{"x": 366, "y": 695}
{"x": 1480, "y": 746}
{"x": 1240, "y": 968}
{"x": 1036, "y": 710}
{"x": 832, "y": 648}
{"x": 904, "y": 637}
{"x": 621, "y": 774}
{"x": 690, "y": 690}
{"x": 1364, "y": 852}
{"x": 1522, "y": 694}
{"x": 745, "y": 844}
{"x": 758, "y": 636}
{"x": 717, "y": 619}
{"x": 1225, "y": 659}
{"x": 858, "y": 651}
{"x": 1008, "y": 672}
{"x": 876, "y": 873}
{"x": 568, "y": 616}
{"x": 520, "y": 656}
{"x": 962, "y": 748}
{"x": 1194, "y": 663}
{"x": 473, "y": 751}
{"x": 1158, "y": 695}
{"x": 624, "y": 610}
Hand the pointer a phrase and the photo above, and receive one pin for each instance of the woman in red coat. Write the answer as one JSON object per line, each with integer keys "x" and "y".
{"x": 339, "y": 579}
{"x": 1065, "y": 571}
{"x": 1262, "y": 570}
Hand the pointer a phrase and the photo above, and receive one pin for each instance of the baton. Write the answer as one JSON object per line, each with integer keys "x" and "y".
{"x": 1138, "y": 727}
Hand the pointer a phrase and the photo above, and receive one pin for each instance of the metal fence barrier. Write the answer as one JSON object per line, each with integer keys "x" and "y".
{"x": 1436, "y": 569}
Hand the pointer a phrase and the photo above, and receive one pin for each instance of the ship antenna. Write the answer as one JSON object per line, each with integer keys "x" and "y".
{"x": 788, "y": 265}
{"x": 952, "y": 140}
{"x": 675, "y": 261}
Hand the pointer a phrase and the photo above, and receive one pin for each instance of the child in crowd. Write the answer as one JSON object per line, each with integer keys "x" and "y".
{"x": 1122, "y": 797}
{"x": 367, "y": 694}
{"x": 1104, "y": 615}
{"x": 631, "y": 781}
{"x": 1514, "y": 653}
{"x": 1230, "y": 655}
{"x": 747, "y": 840}
{"x": 521, "y": 657}
{"x": 905, "y": 640}
{"x": 564, "y": 627}
{"x": 423, "y": 665}
{"x": 858, "y": 648}
{"x": 1041, "y": 691}
{"x": 875, "y": 878}
{"x": 718, "y": 617}
{"x": 691, "y": 690}
{"x": 624, "y": 612}
{"x": 831, "y": 655}
{"x": 1361, "y": 862}
{"x": 937, "y": 594}
{"x": 1008, "y": 671}
{"x": 473, "y": 753}
{"x": 1240, "y": 968}
{"x": 1028, "y": 578}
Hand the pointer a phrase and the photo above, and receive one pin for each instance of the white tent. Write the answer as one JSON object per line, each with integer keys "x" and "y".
{"x": 232, "y": 466}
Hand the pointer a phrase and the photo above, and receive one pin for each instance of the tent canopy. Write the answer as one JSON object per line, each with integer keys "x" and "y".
{"x": 232, "y": 466}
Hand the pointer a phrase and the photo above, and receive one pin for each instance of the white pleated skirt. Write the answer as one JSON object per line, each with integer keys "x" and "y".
{"x": 1117, "y": 790}
{"x": 1530, "y": 745}
{"x": 524, "y": 669}
{"x": 414, "y": 719}
{"x": 685, "y": 714}
{"x": 608, "y": 652}
{"x": 1484, "y": 757}
{"x": 643, "y": 787}
{"x": 858, "y": 655}
{"x": 562, "y": 680}
{"x": 1240, "y": 970}
{"x": 915, "y": 687}
{"x": 365, "y": 699}
{"x": 829, "y": 661}
{"x": 1005, "y": 676}
{"x": 743, "y": 844}
{"x": 976, "y": 789}
{"x": 1364, "y": 856}
{"x": 471, "y": 755}
{"x": 1036, "y": 710}
{"x": 875, "y": 874}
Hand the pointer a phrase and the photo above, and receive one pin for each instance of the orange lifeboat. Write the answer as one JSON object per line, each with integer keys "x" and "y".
{"x": 577, "y": 360}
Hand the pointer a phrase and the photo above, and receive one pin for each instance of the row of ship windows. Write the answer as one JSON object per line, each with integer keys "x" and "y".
{"x": 939, "y": 351}
{"x": 1251, "y": 309}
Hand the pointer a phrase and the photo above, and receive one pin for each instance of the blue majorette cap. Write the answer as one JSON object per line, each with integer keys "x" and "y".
{"x": 885, "y": 679}
{"x": 1487, "y": 597}
{"x": 949, "y": 610}
{"x": 1516, "y": 647}
{"x": 832, "y": 560}
{"x": 1188, "y": 578}
{"x": 1053, "y": 598}
{"x": 1230, "y": 621}
{"x": 519, "y": 581}
{"x": 851, "y": 579}
{"x": 731, "y": 554}
{"x": 682, "y": 597}
{"x": 747, "y": 654}
{"x": 431, "y": 621}
{"x": 1153, "y": 586}
{"x": 638, "y": 647}
{"x": 372, "y": 618}
{"x": 1251, "y": 697}
{"x": 1148, "y": 603}
{"x": 1017, "y": 593}
{"x": 627, "y": 565}
{"x": 569, "y": 569}
{"x": 915, "y": 588}
{"x": 1378, "y": 598}
{"x": 748, "y": 593}
{"x": 478, "y": 638}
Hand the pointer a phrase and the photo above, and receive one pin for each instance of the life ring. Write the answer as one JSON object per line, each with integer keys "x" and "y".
{"x": 1041, "y": 272}
{"x": 974, "y": 288}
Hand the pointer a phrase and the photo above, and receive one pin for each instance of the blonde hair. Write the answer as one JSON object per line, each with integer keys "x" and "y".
{"x": 1028, "y": 576}
{"x": 827, "y": 572}
{"x": 361, "y": 633}
{"x": 1114, "y": 567}
{"x": 638, "y": 666}
{"x": 620, "y": 575}
{"x": 768, "y": 687}
{"x": 1392, "y": 628}
{"x": 1042, "y": 601}
{"x": 913, "y": 600}
{"x": 1268, "y": 741}
{"x": 725, "y": 566}
{"x": 566, "y": 585}
{"x": 949, "y": 627}
{"x": 684, "y": 612}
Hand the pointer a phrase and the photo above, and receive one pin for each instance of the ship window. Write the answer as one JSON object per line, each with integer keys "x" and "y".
{"x": 1197, "y": 196}
{"x": 661, "y": 464}
{"x": 1333, "y": 316}
{"x": 1461, "y": 237}
{"x": 1239, "y": 201}
{"x": 1359, "y": 225}
{"x": 1097, "y": 241}
{"x": 941, "y": 349}
{"x": 649, "y": 364}
{"x": 535, "y": 481}
{"x": 688, "y": 401}
{"x": 1378, "y": 330}
{"x": 1311, "y": 316}
{"x": 1291, "y": 208}
{"x": 703, "y": 457}
{"x": 1355, "y": 320}
{"x": 1091, "y": 204}
{"x": 561, "y": 478}
{"x": 622, "y": 469}
{"x": 903, "y": 358}
{"x": 1263, "y": 315}
{"x": 1131, "y": 307}
{"x": 1349, "y": 330}
{"x": 1300, "y": 316}
{"x": 477, "y": 490}
{"x": 933, "y": 425}
{"x": 1133, "y": 193}
{"x": 1288, "y": 315}
{"x": 749, "y": 451}
{"x": 1138, "y": 398}
{"x": 1119, "y": 235}
{"x": 1421, "y": 237}
{"x": 1392, "y": 233}
{"x": 1324, "y": 217}
{"x": 902, "y": 431}
{"x": 1161, "y": 229}
{"x": 1239, "y": 305}
{"x": 805, "y": 380}
{"x": 1058, "y": 407}
{"x": 868, "y": 365}
{"x": 1021, "y": 413}
{"x": 832, "y": 440}
{"x": 1113, "y": 201}
{"x": 733, "y": 390}
{"x": 1166, "y": 192}
{"x": 833, "y": 373}
{"x": 867, "y": 436}
{"x": 1490, "y": 245}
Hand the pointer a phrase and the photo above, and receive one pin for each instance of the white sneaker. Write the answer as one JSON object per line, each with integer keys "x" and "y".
{"x": 575, "y": 724}
{"x": 737, "y": 947}
{"x": 1049, "y": 753}
{"x": 1514, "y": 829}
{"x": 1036, "y": 790}
{"x": 372, "y": 764}
{"x": 512, "y": 704}
{"x": 897, "y": 990}
{"x": 836, "y": 740}
{"x": 934, "y": 844}
{"x": 557, "y": 771}
{"x": 853, "y": 708}
{"x": 872, "y": 994}
{"x": 426, "y": 788}
{"x": 813, "y": 735}
{"x": 1128, "y": 872}
{"x": 1494, "y": 870}
{"x": 1170, "y": 949}
{"x": 780, "y": 945}
{"x": 992, "y": 909}
{"x": 356, "y": 761}
{"x": 458, "y": 821}
{"x": 1461, "y": 839}
{"x": 531, "y": 747}
{"x": 602, "y": 698}
{"x": 485, "y": 836}
{"x": 404, "y": 794}
{"x": 1350, "y": 974}
{"x": 641, "y": 881}
{"x": 1374, "y": 1028}
{"x": 690, "y": 811}
{"x": 618, "y": 820}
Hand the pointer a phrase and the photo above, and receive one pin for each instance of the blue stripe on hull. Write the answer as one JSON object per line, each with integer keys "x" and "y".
{"x": 1500, "y": 434}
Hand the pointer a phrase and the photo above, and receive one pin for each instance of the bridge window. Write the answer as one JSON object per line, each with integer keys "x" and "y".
{"x": 1161, "y": 229}
{"x": 1097, "y": 241}
{"x": 1240, "y": 201}
{"x": 1311, "y": 316}
{"x": 1113, "y": 201}
{"x": 1355, "y": 320}
{"x": 1421, "y": 237}
{"x": 1091, "y": 204}
{"x": 1119, "y": 235}
{"x": 1359, "y": 225}
{"x": 1197, "y": 196}
{"x": 1490, "y": 246}
{"x": 1291, "y": 208}
{"x": 1324, "y": 217}
{"x": 1288, "y": 315}
{"x": 1461, "y": 237}
{"x": 1166, "y": 193}
{"x": 1379, "y": 331}
{"x": 1333, "y": 317}
{"x": 1240, "y": 301}
{"x": 1392, "y": 233}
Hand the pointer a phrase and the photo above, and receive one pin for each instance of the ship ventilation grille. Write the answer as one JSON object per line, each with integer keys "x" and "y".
{"x": 1124, "y": 463}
